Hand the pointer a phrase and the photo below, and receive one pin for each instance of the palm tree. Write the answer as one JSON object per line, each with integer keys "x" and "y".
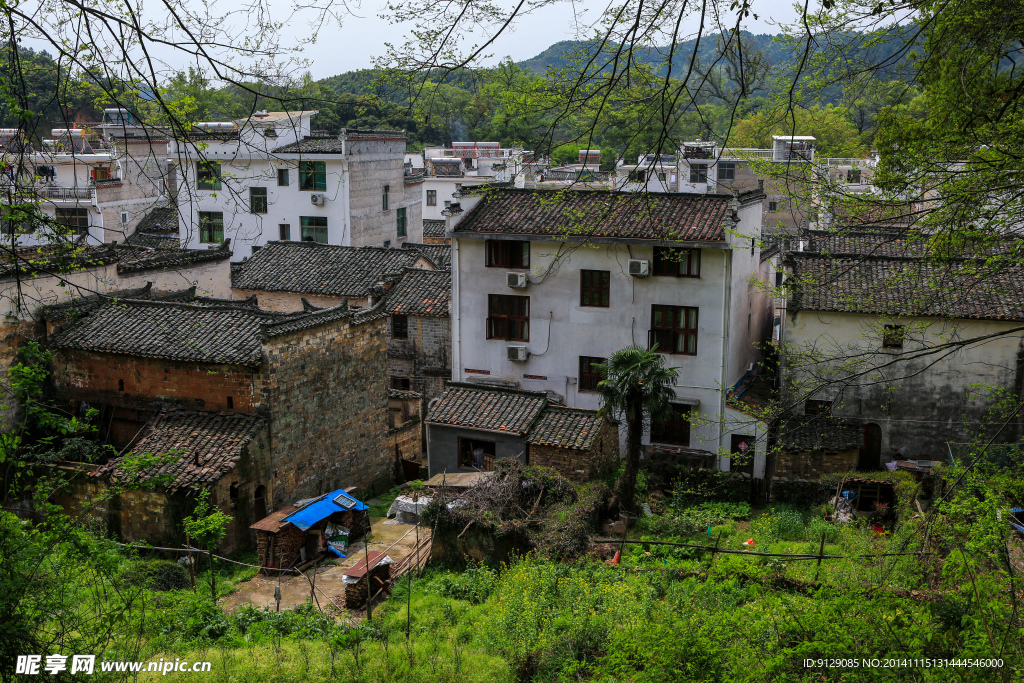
{"x": 637, "y": 388}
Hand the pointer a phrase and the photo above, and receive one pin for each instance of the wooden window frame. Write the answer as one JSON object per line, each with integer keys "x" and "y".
{"x": 283, "y": 177}
{"x": 674, "y": 430}
{"x": 284, "y": 231}
{"x": 726, "y": 170}
{"x": 208, "y": 175}
{"x": 386, "y": 197}
{"x": 676, "y": 262}
{"x": 399, "y": 327}
{"x": 400, "y": 223}
{"x": 672, "y": 336}
{"x": 76, "y": 219}
{"x": 508, "y": 317}
{"x": 502, "y": 254}
{"x": 258, "y": 201}
{"x": 208, "y": 222}
{"x": 313, "y": 176}
{"x": 312, "y": 224}
{"x": 595, "y": 295}
{"x": 431, "y": 197}
{"x": 698, "y": 173}
{"x": 589, "y": 377}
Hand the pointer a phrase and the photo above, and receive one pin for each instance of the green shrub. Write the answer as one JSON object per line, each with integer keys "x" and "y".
{"x": 473, "y": 585}
{"x": 157, "y": 575}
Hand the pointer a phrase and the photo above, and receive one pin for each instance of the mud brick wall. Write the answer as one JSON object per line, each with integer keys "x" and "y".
{"x": 814, "y": 464}
{"x": 325, "y": 388}
{"x": 408, "y": 438}
{"x": 149, "y": 385}
{"x": 579, "y": 465}
{"x": 253, "y": 470}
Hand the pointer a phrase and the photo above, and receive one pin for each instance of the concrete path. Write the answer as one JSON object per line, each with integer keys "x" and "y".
{"x": 399, "y": 540}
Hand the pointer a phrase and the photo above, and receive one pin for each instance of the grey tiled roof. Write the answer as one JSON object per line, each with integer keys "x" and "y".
{"x": 153, "y": 241}
{"x": 327, "y": 270}
{"x": 313, "y": 145}
{"x": 819, "y": 433}
{"x": 906, "y": 287}
{"x": 440, "y": 254}
{"x": 468, "y": 405}
{"x": 159, "y": 219}
{"x": 566, "y": 428}
{"x": 404, "y": 394}
{"x": 194, "y": 448}
{"x": 595, "y": 214}
{"x": 78, "y": 306}
{"x": 186, "y": 332}
{"x": 421, "y": 292}
{"x": 133, "y": 259}
{"x": 433, "y": 228}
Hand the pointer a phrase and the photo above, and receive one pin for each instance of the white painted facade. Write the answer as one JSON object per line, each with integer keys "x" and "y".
{"x": 732, "y": 317}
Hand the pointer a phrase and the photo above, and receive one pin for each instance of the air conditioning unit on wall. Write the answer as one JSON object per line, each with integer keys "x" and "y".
{"x": 317, "y": 199}
{"x": 517, "y": 353}
{"x": 517, "y": 280}
{"x": 638, "y": 268}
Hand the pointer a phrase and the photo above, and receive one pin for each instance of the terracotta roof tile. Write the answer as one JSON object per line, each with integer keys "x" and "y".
{"x": 566, "y": 428}
{"x": 506, "y": 410}
{"x": 198, "y": 447}
{"x": 583, "y": 213}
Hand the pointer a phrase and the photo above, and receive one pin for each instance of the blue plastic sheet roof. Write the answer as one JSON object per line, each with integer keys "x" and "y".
{"x": 324, "y": 507}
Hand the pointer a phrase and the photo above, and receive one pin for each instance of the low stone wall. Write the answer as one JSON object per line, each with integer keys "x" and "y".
{"x": 814, "y": 464}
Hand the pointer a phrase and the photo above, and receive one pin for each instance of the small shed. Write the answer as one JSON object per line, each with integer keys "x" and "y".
{"x": 356, "y": 578}
{"x": 309, "y": 527}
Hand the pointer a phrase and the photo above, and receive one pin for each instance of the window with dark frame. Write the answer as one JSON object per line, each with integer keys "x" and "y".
{"x": 727, "y": 170}
{"x": 76, "y": 220}
{"x": 207, "y": 175}
{"x": 674, "y": 329}
{"x": 773, "y": 206}
{"x": 314, "y": 229}
{"x": 313, "y": 175}
{"x": 676, "y": 262}
{"x": 284, "y": 231}
{"x": 508, "y": 317}
{"x": 853, "y": 175}
{"x": 258, "y": 200}
{"x": 638, "y": 176}
{"x": 400, "y": 222}
{"x": 698, "y": 173}
{"x": 893, "y": 336}
{"x": 282, "y": 177}
{"x": 477, "y": 453}
{"x": 595, "y": 287}
{"x": 211, "y": 227}
{"x": 399, "y": 327}
{"x": 589, "y": 375}
{"x": 431, "y": 197}
{"x": 662, "y": 176}
{"x": 822, "y": 408}
{"x": 401, "y": 382}
{"x": 385, "y": 197}
{"x": 674, "y": 428}
{"x": 508, "y": 254}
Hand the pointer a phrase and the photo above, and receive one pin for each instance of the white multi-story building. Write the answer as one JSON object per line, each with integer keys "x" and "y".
{"x": 545, "y": 284}
{"x": 451, "y": 171}
{"x": 271, "y": 177}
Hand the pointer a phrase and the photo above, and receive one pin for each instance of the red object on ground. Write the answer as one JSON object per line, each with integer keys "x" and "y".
{"x": 877, "y": 529}
{"x": 749, "y": 542}
{"x": 615, "y": 560}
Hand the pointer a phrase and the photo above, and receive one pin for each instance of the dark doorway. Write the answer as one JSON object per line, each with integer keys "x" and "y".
{"x": 871, "y": 454}
{"x": 476, "y": 453}
{"x": 260, "y": 503}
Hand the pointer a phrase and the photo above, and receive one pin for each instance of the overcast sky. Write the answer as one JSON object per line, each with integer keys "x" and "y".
{"x": 362, "y": 37}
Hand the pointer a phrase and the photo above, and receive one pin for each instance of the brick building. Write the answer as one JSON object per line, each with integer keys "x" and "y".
{"x": 314, "y": 379}
{"x": 420, "y": 331}
{"x": 472, "y": 426}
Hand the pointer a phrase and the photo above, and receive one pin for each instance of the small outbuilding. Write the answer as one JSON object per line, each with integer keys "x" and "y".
{"x": 308, "y": 527}
{"x": 375, "y": 568}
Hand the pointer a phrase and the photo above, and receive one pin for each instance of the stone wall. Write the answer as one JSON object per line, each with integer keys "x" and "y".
{"x": 235, "y": 493}
{"x": 326, "y": 393}
{"x": 291, "y": 302}
{"x": 408, "y": 439}
{"x": 131, "y": 388}
{"x": 374, "y": 164}
{"x": 578, "y": 465}
{"x": 814, "y": 464}
{"x": 425, "y": 357}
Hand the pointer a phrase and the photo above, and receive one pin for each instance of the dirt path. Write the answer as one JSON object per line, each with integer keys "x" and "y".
{"x": 295, "y": 589}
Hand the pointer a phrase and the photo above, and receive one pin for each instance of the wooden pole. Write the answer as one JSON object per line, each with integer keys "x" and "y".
{"x": 366, "y": 549}
{"x": 821, "y": 554}
{"x": 191, "y": 565}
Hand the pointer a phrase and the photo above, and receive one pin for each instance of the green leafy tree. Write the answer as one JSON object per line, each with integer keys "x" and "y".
{"x": 206, "y": 527}
{"x": 638, "y": 388}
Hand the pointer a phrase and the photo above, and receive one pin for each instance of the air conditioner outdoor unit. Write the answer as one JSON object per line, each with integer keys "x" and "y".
{"x": 517, "y": 280}
{"x": 638, "y": 268}
{"x": 517, "y": 353}
{"x": 317, "y": 199}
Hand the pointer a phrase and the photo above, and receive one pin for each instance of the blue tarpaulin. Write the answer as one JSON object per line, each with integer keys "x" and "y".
{"x": 323, "y": 507}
